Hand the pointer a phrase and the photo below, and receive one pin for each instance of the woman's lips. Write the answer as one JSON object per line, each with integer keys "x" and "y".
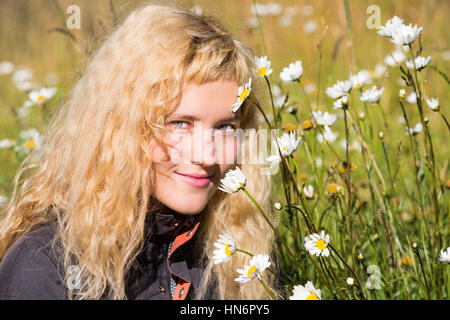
{"x": 195, "y": 182}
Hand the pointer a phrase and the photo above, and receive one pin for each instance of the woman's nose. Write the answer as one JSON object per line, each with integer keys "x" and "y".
{"x": 203, "y": 147}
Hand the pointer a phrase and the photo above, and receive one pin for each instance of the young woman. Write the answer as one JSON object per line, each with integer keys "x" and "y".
{"x": 121, "y": 202}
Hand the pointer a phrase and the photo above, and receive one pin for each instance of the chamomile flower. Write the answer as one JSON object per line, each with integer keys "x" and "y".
{"x": 333, "y": 188}
{"x": 6, "y": 67}
{"x": 360, "y": 79}
{"x": 324, "y": 118}
{"x": 412, "y": 98}
{"x": 420, "y": 62}
{"x": 390, "y": 26}
{"x": 328, "y": 135}
{"x": 379, "y": 70}
{"x": 293, "y": 72}
{"x": 433, "y": 104}
{"x": 395, "y": 58}
{"x": 340, "y": 103}
{"x": 401, "y": 93}
{"x": 445, "y": 256}
{"x": 405, "y": 34}
{"x": 42, "y": 95}
{"x": 309, "y": 191}
{"x": 415, "y": 130}
{"x": 7, "y": 143}
{"x": 263, "y": 66}
{"x": 226, "y": 247}
{"x": 254, "y": 270}
{"x": 307, "y": 292}
{"x": 339, "y": 89}
{"x": 32, "y": 140}
{"x": 243, "y": 93}
{"x": 372, "y": 95}
{"x": 316, "y": 244}
{"x": 234, "y": 181}
{"x": 288, "y": 143}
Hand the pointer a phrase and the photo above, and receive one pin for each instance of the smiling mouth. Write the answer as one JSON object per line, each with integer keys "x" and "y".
{"x": 196, "y": 182}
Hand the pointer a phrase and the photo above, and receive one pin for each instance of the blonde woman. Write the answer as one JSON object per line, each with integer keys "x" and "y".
{"x": 122, "y": 200}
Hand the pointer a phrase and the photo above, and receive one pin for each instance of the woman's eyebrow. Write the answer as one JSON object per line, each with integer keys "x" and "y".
{"x": 194, "y": 118}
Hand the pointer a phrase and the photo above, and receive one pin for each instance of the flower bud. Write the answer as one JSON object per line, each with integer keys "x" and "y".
{"x": 350, "y": 281}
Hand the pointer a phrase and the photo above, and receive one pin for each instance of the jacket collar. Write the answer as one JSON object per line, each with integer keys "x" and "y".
{"x": 164, "y": 226}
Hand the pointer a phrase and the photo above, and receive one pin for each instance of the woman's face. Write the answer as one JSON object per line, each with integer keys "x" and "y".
{"x": 201, "y": 145}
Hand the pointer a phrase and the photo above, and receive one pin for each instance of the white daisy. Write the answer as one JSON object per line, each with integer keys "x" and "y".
{"x": 445, "y": 256}
{"x": 416, "y": 130}
{"x": 328, "y": 135}
{"x": 350, "y": 281}
{"x": 390, "y": 26}
{"x": 288, "y": 144}
{"x": 243, "y": 93}
{"x": 257, "y": 265}
{"x": 372, "y": 95}
{"x": 309, "y": 191}
{"x": 6, "y": 67}
{"x": 360, "y": 79}
{"x": 405, "y": 34}
{"x": 234, "y": 181}
{"x": 395, "y": 58}
{"x": 420, "y": 62}
{"x": 324, "y": 118}
{"x": 340, "y": 103}
{"x": 6, "y": 143}
{"x": 339, "y": 89}
{"x": 353, "y": 146}
{"x": 293, "y": 72}
{"x": 310, "y": 26}
{"x": 307, "y": 292}
{"x": 402, "y": 93}
{"x": 263, "y": 66}
{"x": 412, "y": 98}
{"x": 32, "y": 140}
{"x": 42, "y": 95}
{"x": 226, "y": 247}
{"x": 317, "y": 244}
{"x": 433, "y": 104}
{"x": 379, "y": 70}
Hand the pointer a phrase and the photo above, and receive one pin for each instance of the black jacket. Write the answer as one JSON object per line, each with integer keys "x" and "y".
{"x": 31, "y": 270}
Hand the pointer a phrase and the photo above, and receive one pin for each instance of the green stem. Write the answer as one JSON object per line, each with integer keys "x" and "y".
{"x": 271, "y": 226}
{"x": 267, "y": 289}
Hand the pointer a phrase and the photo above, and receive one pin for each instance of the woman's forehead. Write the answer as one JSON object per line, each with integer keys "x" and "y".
{"x": 212, "y": 99}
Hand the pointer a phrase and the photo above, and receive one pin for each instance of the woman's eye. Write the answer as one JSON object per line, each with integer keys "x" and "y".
{"x": 231, "y": 127}
{"x": 179, "y": 124}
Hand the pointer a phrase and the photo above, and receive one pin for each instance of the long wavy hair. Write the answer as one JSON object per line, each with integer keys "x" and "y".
{"x": 94, "y": 172}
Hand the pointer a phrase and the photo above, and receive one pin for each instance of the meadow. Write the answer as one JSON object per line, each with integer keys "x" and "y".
{"x": 372, "y": 168}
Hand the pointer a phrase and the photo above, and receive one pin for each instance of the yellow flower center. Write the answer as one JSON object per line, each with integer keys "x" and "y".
{"x": 357, "y": 85}
{"x": 321, "y": 244}
{"x": 307, "y": 124}
{"x": 244, "y": 94}
{"x": 250, "y": 271}
{"x": 227, "y": 250}
{"x": 40, "y": 98}
{"x": 290, "y": 127}
{"x": 372, "y": 73}
{"x": 262, "y": 71}
{"x": 30, "y": 144}
{"x": 312, "y": 296}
